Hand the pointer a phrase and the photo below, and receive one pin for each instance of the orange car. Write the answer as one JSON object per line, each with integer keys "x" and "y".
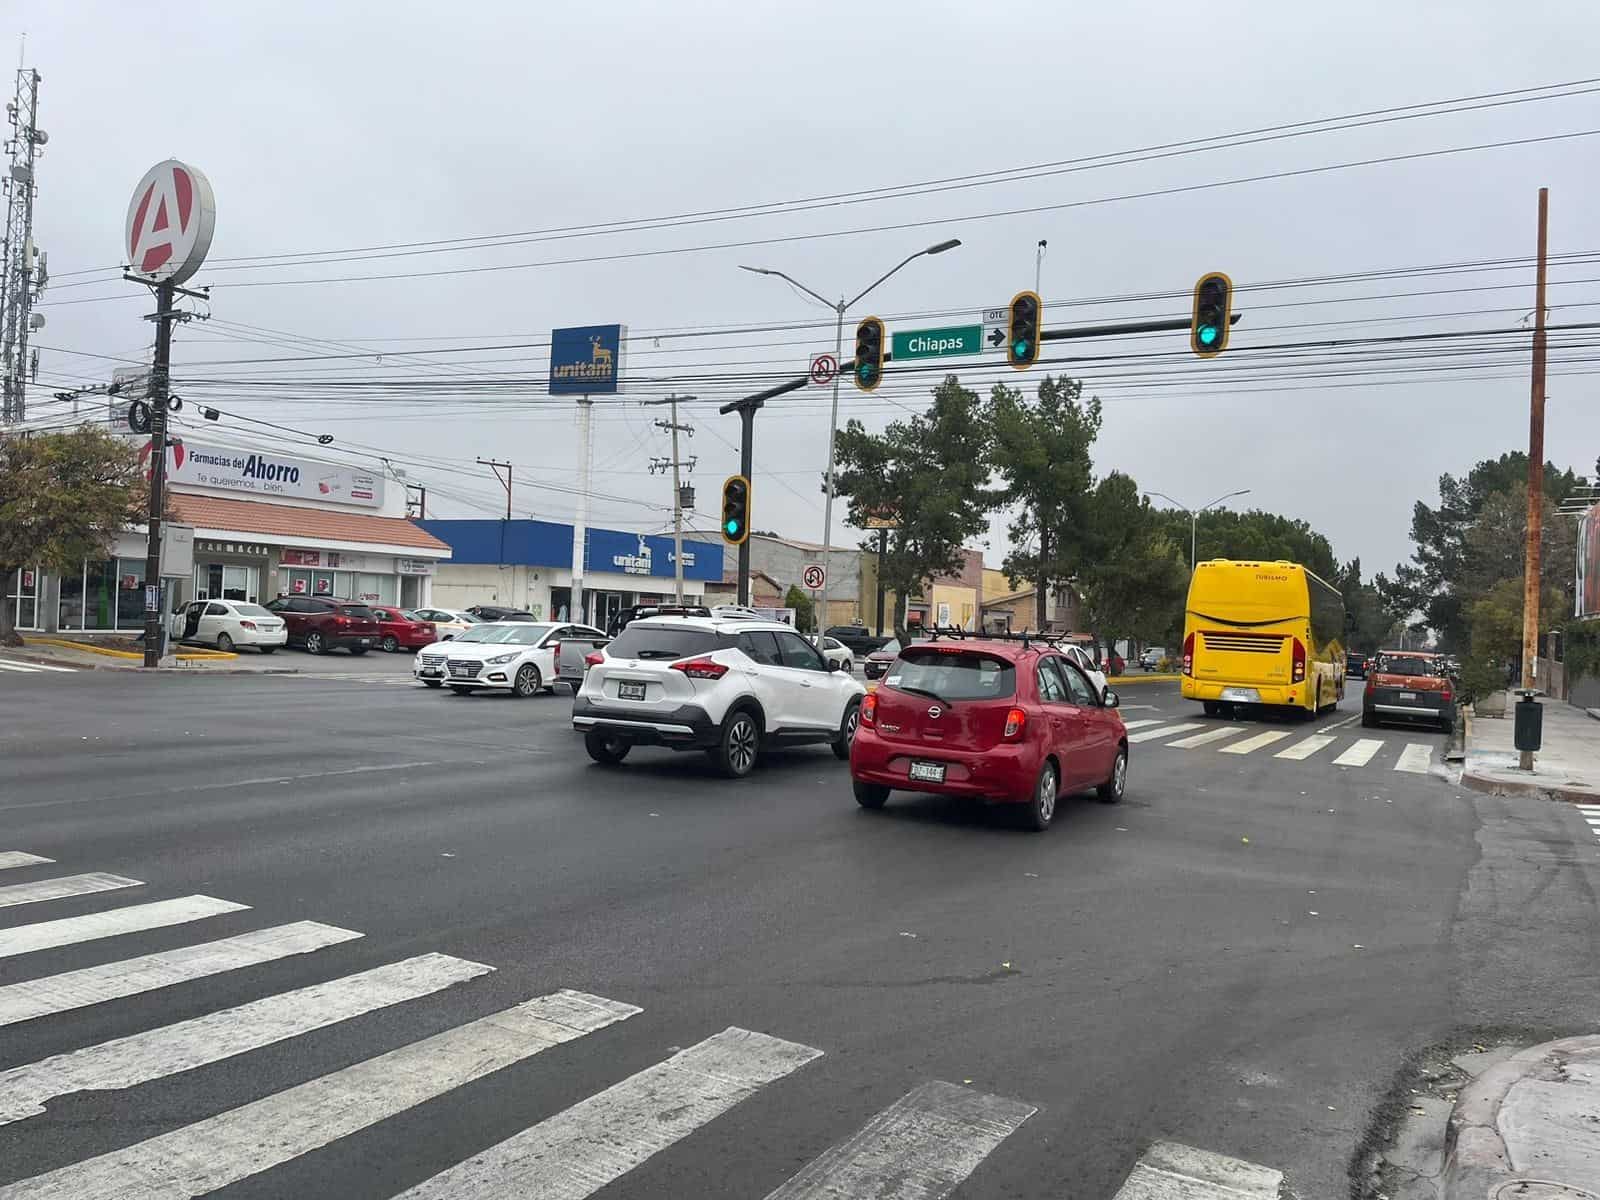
{"x": 1408, "y": 685}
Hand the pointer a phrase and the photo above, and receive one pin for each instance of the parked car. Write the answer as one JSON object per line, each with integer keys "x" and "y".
{"x": 402, "y": 629}
{"x": 1085, "y": 663}
{"x": 499, "y": 612}
{"x": 1406, "y": 685}
{"x": 227, "y": 624}
{"x": 321, "y": 623}
{"x": 880, "y": 660}
{"x": 499, "y": 656}
{"x": 858, "y": 639}
{"x": 632, "y": 613}
{"x": 1151, "y": 659}
{"x": 834, "y": 651}
{"x": 1355, "y": 664}
{"x": 1002, "y": 721}
{"x": 729, "y": 686}
{"x": 448, "y": 621}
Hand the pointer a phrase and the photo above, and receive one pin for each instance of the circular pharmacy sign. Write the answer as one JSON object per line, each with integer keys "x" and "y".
{"x": 170, "y": 222}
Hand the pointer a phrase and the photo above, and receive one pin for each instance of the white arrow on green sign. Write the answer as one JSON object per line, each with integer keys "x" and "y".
{"x": 937, "y": 343}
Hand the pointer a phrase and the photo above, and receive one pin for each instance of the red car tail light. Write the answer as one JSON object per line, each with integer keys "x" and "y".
{"x": 1188, "y": 655}
{"x": 701, "y": 668}
{"x": 341, "y": 621}
{"x": 1445, "y": 695}
{"x": 252, "y": 625}
{"x": 869, "y": 709}
{"x": 595, "y": 659}
{"x": 1016, "y": 721}
{"x": 1299, "y": 661}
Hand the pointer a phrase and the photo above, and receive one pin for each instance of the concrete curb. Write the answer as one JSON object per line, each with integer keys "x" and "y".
{"x": 45, "y": 661}
{"x": 1493, "y": 786}
{"x": 91, "y": 648}
{"x": 1475, "y": 1155}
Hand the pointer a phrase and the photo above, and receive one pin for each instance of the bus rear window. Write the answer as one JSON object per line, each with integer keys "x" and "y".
{"x": 954, "y": 675}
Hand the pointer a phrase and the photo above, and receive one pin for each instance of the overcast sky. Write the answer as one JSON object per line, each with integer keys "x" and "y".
{"x": 326, "y": 127}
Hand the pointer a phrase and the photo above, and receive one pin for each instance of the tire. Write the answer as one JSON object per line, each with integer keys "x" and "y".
{"x": 459, "y": 690}
{"x": 358, "y": 651}
{"x": 1212, "y": 708}
{"x": 314, "y": 642}
{"x": 266, "y": 649}
{"x": 1041, "y": 809}
{"x": 433, "y": 683}
{"x": 390, "y": 643}
{"x": 224, "y": 643}
{"x": 527, "y": 681}
{"x": 739, "y": 747}
{"x": 847, "y": 731}
{"x": 1111, "y": 791}
{"x": 606, "y": 749}
{"x": 1368, "y": 720}
{"x": 869, "y": 795}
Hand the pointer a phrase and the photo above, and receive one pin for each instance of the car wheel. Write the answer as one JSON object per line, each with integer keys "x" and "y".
{"x": 606, "y": 749}
{"x": 1111, "y": 790}
{"x": 847, "y": 731}
{"x": 736, "y": 753}
{"x": 527, "y": 681}
{"x": 1041, "y": 809}
{"x": 358, "y": 651}
{"x": 869, "y": 795}
{"x": 266, "y": 649}
{"x": 224, "y": 643}
{"x": 459, "y": 690}
{"x": 390, "y": 643}
{"x": 1368, "y": 720}
{"x": 433, "y": 683}
{"x": 314, "y": 643}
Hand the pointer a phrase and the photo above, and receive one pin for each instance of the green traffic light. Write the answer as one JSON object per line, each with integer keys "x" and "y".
{"x": 732, "y": 527}
{"x": 1020, "y": 348}
{"x": 1208, "y": 335}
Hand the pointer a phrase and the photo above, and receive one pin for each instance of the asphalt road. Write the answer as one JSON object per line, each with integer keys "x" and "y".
{"x": 1238, "y": 957}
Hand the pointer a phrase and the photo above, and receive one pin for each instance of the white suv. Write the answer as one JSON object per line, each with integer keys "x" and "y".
{"x": 499, "y": 656}
{"x": 727, "y": 685}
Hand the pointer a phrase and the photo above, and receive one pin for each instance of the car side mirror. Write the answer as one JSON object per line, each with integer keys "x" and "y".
{"x": 1112, "y": 700}
{"x": 834, "y": 664}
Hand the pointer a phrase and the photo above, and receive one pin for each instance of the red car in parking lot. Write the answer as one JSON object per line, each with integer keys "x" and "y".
{"x": 400, "y": 629}
{"x": 1003, "y": 721}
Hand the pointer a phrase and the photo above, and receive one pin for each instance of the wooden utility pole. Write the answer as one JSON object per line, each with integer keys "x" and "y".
{"x": 494, "y": 464}
{"x": 1535, "y": 524}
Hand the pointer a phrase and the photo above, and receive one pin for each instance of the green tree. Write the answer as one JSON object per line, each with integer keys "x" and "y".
{"x": 1133, "y": 579}
{"x": 1370, "y": 620}
{"x": 930, "y": 470}
{"x": 63, "y": 497}
{"x": 801, "y": 603}
{"x": 1254, "y": 534}
{"x": 1040, "y": 450}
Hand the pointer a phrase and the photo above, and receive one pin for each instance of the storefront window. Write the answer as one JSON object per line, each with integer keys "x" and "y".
{"x": 69, "y": 611}
{"x": 22, "y": 597}
{"x": 130, "y": 593}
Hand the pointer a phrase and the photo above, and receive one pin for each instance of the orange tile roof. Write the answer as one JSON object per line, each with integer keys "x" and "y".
{"x": 252, "y": 516}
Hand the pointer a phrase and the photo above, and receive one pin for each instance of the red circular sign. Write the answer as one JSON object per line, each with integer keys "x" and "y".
{"x": 814, "y": 577}
{"x": 170, "y": 222}
{"x": 823, "y": 368}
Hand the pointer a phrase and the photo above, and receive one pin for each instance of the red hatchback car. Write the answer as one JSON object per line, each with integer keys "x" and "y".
{"x": 399, "y": 629}
{"x": 1007, "y": 722}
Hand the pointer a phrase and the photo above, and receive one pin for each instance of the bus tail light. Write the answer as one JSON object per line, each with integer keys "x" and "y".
{"x": 1188, "y": 655}
{"x": 1016, "y": 721}
{"x": 1299, "y": 661}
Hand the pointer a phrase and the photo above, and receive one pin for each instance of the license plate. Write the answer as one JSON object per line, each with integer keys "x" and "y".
{"x": 1246, "y": 695}
{"x": 928, "y": 772}
{"x": 630, "y": 691}
{"x": 458, "y": 670}
{"x": 430, "y": 672}
{"x": 1408, "y": 695}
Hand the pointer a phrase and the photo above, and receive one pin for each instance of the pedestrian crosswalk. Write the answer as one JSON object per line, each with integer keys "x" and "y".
{"x": 921, "y": 1147}
{"x": 1591, "y": 817}
{"x": 1345, "y": 751}
{"x": 17, "y": 667}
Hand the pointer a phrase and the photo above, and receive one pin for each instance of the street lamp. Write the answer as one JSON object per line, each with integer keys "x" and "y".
{"x": 1194, "y": 516}
{"x": 841, "y": 308}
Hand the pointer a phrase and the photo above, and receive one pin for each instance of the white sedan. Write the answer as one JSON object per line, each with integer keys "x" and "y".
{"x": 450, "y": 622}
{"x": 502, "y": 656}
{"x": 227, "y": 624}
{"x": 834, "y": 651}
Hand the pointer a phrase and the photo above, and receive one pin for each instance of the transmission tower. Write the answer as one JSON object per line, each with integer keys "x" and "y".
{"x": 25, "y": 273}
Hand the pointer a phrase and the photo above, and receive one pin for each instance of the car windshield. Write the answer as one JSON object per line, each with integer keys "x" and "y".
{"x": 516, "y": 635}
{"x": 251, "y": 610}
{"x": 643, "y": 640}
{"x": 1407, "y": 664}
{"x": 466, "y": 618}
{"x": 892, "y": 646}
{"x": 407, "y": 615}
{"x": 358, "y": 611}
{"x": 954, "y": 675}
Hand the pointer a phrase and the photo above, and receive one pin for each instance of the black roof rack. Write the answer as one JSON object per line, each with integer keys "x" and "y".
{"x": 1026, "y": 637}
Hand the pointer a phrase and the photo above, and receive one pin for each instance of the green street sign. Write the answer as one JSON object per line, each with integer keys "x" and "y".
{"x": 937, "y": 343}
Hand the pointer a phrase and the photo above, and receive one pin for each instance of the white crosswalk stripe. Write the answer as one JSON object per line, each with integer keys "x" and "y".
{"x": 68, "y": 931}
{"x": 1360, "y": 753}
{"x": 1590, "y": 814}
{"x": 578, "y": 1151}
{"x": 1251, "y": 744}
{"x": 1145, "y": 735}
{"x": 1305, "y": 747}
{"x": 62, "y": 887}
{"x": 112, "y": 981}
{"x": 1415, "y": 758}
{"x": 157, "y": 1053}
{"x": 7, "y": 664}
{"x": 245, "y": 1141}
{"x": 1140, "y": 724}
{"x": 21, "y": 858}
{"x": 919, "y": 1148}
{"x": 1209, "y": 736}
{"x": 1170, "y": 1171}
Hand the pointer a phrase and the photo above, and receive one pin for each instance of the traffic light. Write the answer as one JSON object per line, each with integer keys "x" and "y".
{"x": 1213, "y": 314}
{"x": 869, "y": 354}
{"x": 735, "y": 510}
{"x": 1022, "y": 340}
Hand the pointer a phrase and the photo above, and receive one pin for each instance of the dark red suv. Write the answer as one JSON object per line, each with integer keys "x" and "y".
{"x": 401, "y": 629}
{"x": 321, "y": 623}
{"x": 1003, "y": 721}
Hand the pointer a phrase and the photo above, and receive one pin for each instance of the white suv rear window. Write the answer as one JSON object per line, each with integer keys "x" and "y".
{"x": 667, "y": 642}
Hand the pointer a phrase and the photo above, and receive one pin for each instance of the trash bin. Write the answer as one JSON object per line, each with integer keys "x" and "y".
{"x": 1529, "y": 730}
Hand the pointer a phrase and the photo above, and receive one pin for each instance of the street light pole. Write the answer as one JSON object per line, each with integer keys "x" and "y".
{"x": 842, "y": 307}
{"x": 1194, "y": 518}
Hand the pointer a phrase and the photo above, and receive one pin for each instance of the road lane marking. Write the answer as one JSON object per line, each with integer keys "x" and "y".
{"x": 1341, "y": 724}
{"x": 1252, "y": 744}
{"x": 20, "y": 858}
{"x": 1415, "y": 758}
{"x": 1168, "y": 1170}
{"x": 68, "y": 931}
{"x": 113, "y": 981}
{"x": 1305, "y": 747}
{"x": 919, "y": 1148}
{"x": 581, "y": 1149}
{"x": 12, "y": 664}
{"x": 157, "y": 1053}
{"x": 1360, "y": 753}
{"x": 1165, "y": 731}
{"x": 63, "y": 886}
{"x": 1210, "y": 735}
{"x": 1142, "y": 723}
{"x": 252, "y": 1138}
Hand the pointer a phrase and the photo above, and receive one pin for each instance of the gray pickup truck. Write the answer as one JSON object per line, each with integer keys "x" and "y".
{"x": 572, "y": 659}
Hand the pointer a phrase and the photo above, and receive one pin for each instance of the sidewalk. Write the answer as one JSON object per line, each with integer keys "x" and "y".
{"x": 52, "y": 653}
{"x": 1566, "y": 768}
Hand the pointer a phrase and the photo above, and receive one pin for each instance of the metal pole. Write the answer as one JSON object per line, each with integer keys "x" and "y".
{"x": 747, "y": 433}
{"x": 677, "y": 506}
{"x": 1535, "y": 523}
{"x": 883, "y": 550}
{"x": 827, "y": 503}
{"x": 160, "y": 385}
{"x": 1194, "y": 527}
{"x": 577, "y": 611}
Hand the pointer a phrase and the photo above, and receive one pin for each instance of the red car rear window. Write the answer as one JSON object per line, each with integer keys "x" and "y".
{"x": 954, "y": 674}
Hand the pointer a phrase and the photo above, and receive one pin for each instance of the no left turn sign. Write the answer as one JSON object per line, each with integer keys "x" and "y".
{"x": 814, "y": 577}
{"x": 824, "y": 367}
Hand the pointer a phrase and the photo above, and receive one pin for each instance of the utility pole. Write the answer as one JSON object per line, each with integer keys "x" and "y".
{"x": 580, "y": 526}
{"x": 883, "y": 552}
{"x": 494, "y": 464}
{"x": 21, "y": 279}
{"x": 1535, "y": 525}
{"x": 421, "y": 501}
{"x": 160, "y": 391}
{"x": 677, "y": 485}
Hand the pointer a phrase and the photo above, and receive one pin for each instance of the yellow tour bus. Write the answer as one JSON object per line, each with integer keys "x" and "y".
{"x": 1262, "y": 633}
